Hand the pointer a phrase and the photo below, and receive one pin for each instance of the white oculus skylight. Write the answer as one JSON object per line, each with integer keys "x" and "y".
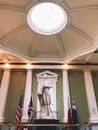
{"x": 47, "y": 18}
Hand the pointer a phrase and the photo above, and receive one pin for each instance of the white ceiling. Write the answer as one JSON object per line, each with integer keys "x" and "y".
{"x": 76, "y": 43}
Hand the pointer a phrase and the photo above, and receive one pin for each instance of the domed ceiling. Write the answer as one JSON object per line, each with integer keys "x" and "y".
{"x": 76, "y": 43}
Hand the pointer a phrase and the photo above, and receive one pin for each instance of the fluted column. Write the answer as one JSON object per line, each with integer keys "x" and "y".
{"x": 3, "y": 92}
{"x": 93, "y": 111}
{"x": 66, "y": 94}
{"x": 27, "y": 95}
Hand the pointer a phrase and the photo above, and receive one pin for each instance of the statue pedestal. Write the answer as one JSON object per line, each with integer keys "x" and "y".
{"x": 46, "y": 121}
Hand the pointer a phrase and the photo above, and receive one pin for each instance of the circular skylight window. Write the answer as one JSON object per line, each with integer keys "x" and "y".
{"x": 47, "y": 18}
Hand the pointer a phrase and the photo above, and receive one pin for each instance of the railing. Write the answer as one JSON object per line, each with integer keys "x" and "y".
{"x": 62, "y": 125}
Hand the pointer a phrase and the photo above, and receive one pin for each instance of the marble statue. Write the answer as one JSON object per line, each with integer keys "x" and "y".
{"x": 44, "y": 97}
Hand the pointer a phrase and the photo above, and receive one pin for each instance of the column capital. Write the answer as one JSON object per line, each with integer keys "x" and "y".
{"x": 86, "y": 69}
{"x": 64, "y": 69}
{"x": 7, "y": 69}
{"x": 29, "y": 69}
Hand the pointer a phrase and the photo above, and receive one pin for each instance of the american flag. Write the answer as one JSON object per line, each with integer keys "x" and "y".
{"x": 19, "y": 112}
{"x": 30, "y": 111}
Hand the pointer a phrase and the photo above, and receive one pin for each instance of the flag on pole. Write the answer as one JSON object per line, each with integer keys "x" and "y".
{"x": 19, "y": 111}
{"x": 69, "y": 114}
{"x": 30, "y": 111}
{"x": 74, "y": 114}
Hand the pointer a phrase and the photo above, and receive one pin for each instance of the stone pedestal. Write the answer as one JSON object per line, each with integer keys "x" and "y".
{"x": 46, "y": 121}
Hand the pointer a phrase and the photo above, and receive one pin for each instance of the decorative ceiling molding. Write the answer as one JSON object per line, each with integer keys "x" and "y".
{"x": 11, "y": 8}
{"x": 80, "y": 8}
{"x": 76, "y": 40}
{"x": 85, "y": 36}
{"x": 34, "y": 45}
{"x": 60, "y": 45}
{"x": 12, "y": 34}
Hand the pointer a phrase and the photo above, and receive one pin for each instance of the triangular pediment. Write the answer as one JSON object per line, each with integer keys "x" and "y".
{"x": 46, "y": 73}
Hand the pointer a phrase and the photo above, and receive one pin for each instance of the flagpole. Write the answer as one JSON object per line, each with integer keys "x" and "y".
{"x": 19, "y": 112}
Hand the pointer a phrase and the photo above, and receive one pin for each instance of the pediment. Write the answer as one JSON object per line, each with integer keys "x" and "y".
{"x": 46, "y": 74}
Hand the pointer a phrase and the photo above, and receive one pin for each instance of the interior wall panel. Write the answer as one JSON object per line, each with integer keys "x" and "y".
{"x": 16, "y": 87}
{"x": 78, "y": 94}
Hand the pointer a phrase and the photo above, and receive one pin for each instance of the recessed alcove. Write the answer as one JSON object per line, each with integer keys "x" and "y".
{"x": 49, "y": 78}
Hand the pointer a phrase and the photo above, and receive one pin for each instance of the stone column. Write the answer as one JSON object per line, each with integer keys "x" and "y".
{"x": 66, "y": 94}
{"x": 93, "y": 111}
{"x": 3, "y": 92}
{"x": 27, "y": 95}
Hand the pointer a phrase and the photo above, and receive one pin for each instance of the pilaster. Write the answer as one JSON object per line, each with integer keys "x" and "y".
{"x": 3, "y": 92}
{"x": 27, "y": 95}
{"x": 93, "y": 111}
